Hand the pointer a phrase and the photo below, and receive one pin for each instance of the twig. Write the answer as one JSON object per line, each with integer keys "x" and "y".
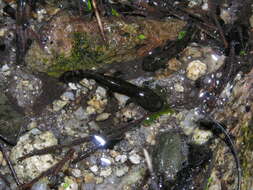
{"x": 55, "y": 148}
{"x": 53, "y": 170}
{"x": 2, "y": 149}
{"x": 100, "y": 25}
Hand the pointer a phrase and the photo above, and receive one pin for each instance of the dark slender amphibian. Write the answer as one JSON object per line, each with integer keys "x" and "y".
{"x": 144, "y": 97}
{"x": 218, "y": 129}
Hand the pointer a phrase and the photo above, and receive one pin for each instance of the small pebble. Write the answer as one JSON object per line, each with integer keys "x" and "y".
{"x": 101, "y": 91}
{"x": 105, "y": 162}
{"x": 106, "y": 172}
{"x": 174, "y": 64}
{"x": 68, "y": 96}
{"x": 5, "y": 67}
{"x": 192, "y": 52}
{"x": 76, "y": 173}
{"x": 89, "y": 178}
{"x": 88, "y": 186}
{"x": 94, "y": 169}
{"x": 135, "y": 158}
{"x": 87, "y": 83}
{"x": 41, "y": 185}
{"x": 121, "y": 171}
{"x": 80, "y": 114}
{"x": 179, "y": 87}
{"x": 195, "y": 69}
{"x": 201, "y": 136}
{"x": 103, "y": 116}
{"x": 73, "y": 86}
{"x": 121, "y": 158}
{"x": 59, "y": 104}
{"x": 122, "y": 99}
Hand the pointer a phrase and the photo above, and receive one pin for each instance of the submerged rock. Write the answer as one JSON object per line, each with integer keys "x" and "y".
{"x": 24, "y": 88}
{"x": 32, "y": 167}
{"x": 170, "y": 155}
{"x": 11, "y": 121}
{"x": 73, "y": 43}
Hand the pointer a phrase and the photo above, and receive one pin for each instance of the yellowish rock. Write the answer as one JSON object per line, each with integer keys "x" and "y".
{"x": 196, "y": 69}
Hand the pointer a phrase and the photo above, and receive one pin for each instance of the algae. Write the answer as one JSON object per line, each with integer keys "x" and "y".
{"x": 82, "y": 55}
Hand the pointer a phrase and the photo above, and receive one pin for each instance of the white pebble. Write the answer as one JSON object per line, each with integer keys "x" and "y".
{"x": 121, "y": 158}
{"x": 135, "y": 159}
{"x": 68, "y": 96}
{"x": 94, "y": 168}
{"x": 5, "y": 68}
{"x": 76, "y": 173}
{"x": 101, "y": 91}
{"x": 102, "y": 116}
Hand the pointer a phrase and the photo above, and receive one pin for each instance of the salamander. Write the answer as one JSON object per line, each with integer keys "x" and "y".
{"x": 143, "y": 96}
{"x": 218, "y": 129}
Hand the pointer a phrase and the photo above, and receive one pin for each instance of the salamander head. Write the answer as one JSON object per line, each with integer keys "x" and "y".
{"x": 149, "y": 100}
{"x": 71, "y": 76}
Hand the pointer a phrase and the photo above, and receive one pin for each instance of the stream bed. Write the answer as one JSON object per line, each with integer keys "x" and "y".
{"x": 158, "y": 97}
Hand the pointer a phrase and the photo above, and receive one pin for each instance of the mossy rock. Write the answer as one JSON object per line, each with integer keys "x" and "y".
{"x": 72, "y": 43}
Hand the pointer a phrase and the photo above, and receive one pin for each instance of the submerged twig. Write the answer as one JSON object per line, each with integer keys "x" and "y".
{"x": 51, "y": 171}
{"x": 55, "y": 148}
{"x": 2, "y": 149}
{"x": 21, "y": 30}
{"x": 217, "y": 23}
{"x": 154, "y": 180}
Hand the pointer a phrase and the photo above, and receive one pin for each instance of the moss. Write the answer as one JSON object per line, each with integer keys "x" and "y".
{"x": 83, "y": 56}
{"x": 247, "y": 136}
{"x": 209, "y": 181}
{"x": 246, "y": 151}
{"x": 114, "y": 12}
{"x": 141, "y": 37}
{"x": 181, "y": 35}
{"x": 152, "y": 118}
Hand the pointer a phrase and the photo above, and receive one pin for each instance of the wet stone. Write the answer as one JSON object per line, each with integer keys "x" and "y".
{"x": 106, "y": 172}
{"x": 68, "y": 96}
{"x": 121, "y": 158}
{"x": 196, "y": 69}
{"x": 41, "y": 185}
{"x": 76, "y": 173}
{"x": 33, "y": 166}
{"x": 59, "y": 104}
{"x": 121, "y": 171}
{"x": 80, "y": 114}
{"x": 94, "y": 169}
{"x": 103, "y": 116}
{"x": 135, "y": 158}
{"x": 88, "y": 186}
{"x": 169, "y": 154}
{"x": 25, "y": 88}
{"x": 122, "y": 99}
{"x": 11, "y": 121}
{"x": 3, "y": 185}
{"x": 192, "y": 52}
